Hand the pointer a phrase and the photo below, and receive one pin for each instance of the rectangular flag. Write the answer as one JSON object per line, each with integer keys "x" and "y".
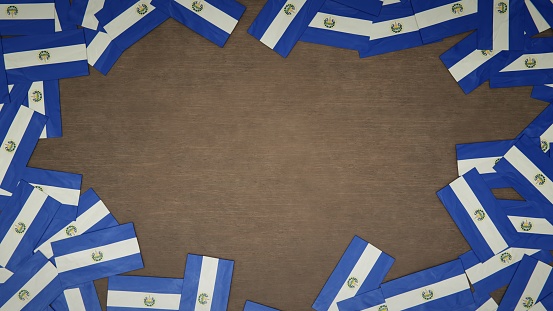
{"x": 212, "y": 19}
{"x": 27, "y": 215}
{"x": 206, "y": 283}
{"x": 483, "y": 156}
{"x": 96, "y": 255}
{"x": 369, "y": 301}
{"x": 534, "y": 19}
{"x": 102, "y": 52}
{"x": 533, "y": 223}
{"x": 5, "y": 274}
{"x": 475, "y": 210}
{"x": 340, "y": 26}
{"x": 32, "y": 287}
{"x": 45, "y": 57}
{"x": 543, "y": 92}
{"x": 281, "y": 23}
{"x": 253, "y": 306}
{"x": 80, "y": 298}
{"x": 362, "y": 268}
{"x": 438, "y": 19}
{"x": 83, "y": 12}
{"x": 140, "y": 292}
{"x": 372, "y": 7}
{"x": 501, "y": 25}
{"x": 530, "y": 284}
{"x": 469, "y": 66}
{"x": 497, "y": 271}
{"x": 62, "y": 186}
{"x": 444, "y": 287}
{"x": 26, "y": 17}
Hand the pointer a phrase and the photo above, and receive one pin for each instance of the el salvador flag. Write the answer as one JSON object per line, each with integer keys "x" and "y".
{"x": 44, "y": 98}
{"x": 32, "y": 287}
{"x": 469, "y": 66}
{"x": 82, "y": 12}
{"x": 340, "y": 26}
{"x": 126, "y": 293}
{"x": 281, "y": 23}
{"x": 533, "y": 223}
{"x": 474, "y": 208}
{"x": 438, "y": 19}
{"x": 530, "y": 284}
{"x": 62, "y": 186}
{"x": 102, "y": 52}
{"x": 362, "y": 268}
{"x": 444, "y": 287}
{"x": 45, "y": 57}
{"x": 27, "y": 215}
{"x": 206, "y": 283}
{"x": 497, "y": 271}
{"x": 26, "y": 17}
{"x": 61, "y": 16}
{"x": 96, "y": 255}
{"x": 5, "y": 274}
{"x": 542, "y": 127}
{"x": 501, "y": 25}
{"x": 79, "y": 298}
{"x": 483, "y": 156}
{"x": 253, "y": 306}
{"x": 213, "y": 19}
{"x": 92, "y": 215}
{"x": 543, "y": 92}
{"x": 370, "y": 301}
{"x": 535, "y": 21}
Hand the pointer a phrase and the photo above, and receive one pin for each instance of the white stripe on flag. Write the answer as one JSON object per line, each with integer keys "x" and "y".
{"x": 384, "y": 29}
{"x": 539, "y": 21}
{"x": 26, "y": 217}
{"x": 208, "y": 276}
{"x": 213, "y": 15}
{"x": 15, "y": 133}
{"x": 486, "y": 227}
{"x": 5, "y": 274}
{"x": 543, "y": 61}
{"x": 110, "y": 252}
{"x": 493, "y": 265}
{"x": 83, "y": 223}
{"x": 470, "y": 63}
{"x": 489, "y": 305}
{"x": 28, "y": 11}
{"x": 74, "y": 299}
{"x": 529, "y": 170}
{"x": 89, "y": 20}
{"x": 537, "y": 225}
{"x": 547, "y": 136}
{"x": 535, "y": 284}
{"x": 483, "y": 165}
{"x": 58, "y": 55}
{"x": 127, "y": 19}
{"x": 279, "y": 25}
{"x": 5, "y": 193}
{"x": 345, "y": 24}
{"x": 63, "y": 195}
{"x": 375, "y": 308}
{"x": 440, "y": 289}
{"x": 133, "y": 300}
{"x": 501, "y": 26}
{"x": 360, "y": 271}
{"x": 538, "y": 307}
{"x": 35, "y": 98}
{"x": 97, "y": 47}
{"x": 34, "y": 286}
{"x": 444, "y": 13}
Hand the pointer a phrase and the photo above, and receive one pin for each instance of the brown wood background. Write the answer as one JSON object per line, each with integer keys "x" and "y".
{"x": 276, "y": 163}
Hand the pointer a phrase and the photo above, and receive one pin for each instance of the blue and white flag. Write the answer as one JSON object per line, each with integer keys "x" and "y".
{"x": 469, "y": 66}
{"x": 92, "y": 215}
{"x": 102, "y": 52}
{"x": 44, "y": 98}
{"x": 394, "y": 29}
{"x": 543, "y": 92}
{"x": 501, "y": 25}
{"x": 141, "y": 293}
{"x": 475, "y": 210}
{"x": 535, "y": 22}
{"x": 533, "y": 223}
{"x": 26, "y": 17}
{"x": 25, "y": 218}
{"x": 212, "y": 19}
{"x": 253, "y": 306}
{"x": 80, "y": 298}
{"x": 439, "y": 19}
{"x": 206, "y": 283}
{"x": 545, "y": 304}
{"x": 83, "y": 12}
{"x": 484, "y": 302}
{"x": 96, "y": 255}
{"x": 32, "y": 287}
{"x": 62, "y": 186}
{"x": 61, "y": 16}
{"x": 5, "y": 274}
{"x": 530, "y": 284}
{"x": 18, "y": 92}
{"x": 542, "y": 128}
{"x": 444, "y": 287}
{"x": 362, "y": 268}
{"x": 128, "y": 21}
{"x": 372, "y": 7}
{"x": 497, "y": 271}
{"x": 483, "y": 156}
{"x": 340, "y": 26}
{"x": 281, "y": 23}
{"x": 45, "y": 57}
{"x": 370, "y": 301}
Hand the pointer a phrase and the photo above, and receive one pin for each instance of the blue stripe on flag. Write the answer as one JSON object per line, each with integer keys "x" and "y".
{"x": 4, "y": 90}
{"x": 18, "y": 93}
{"x": 145, "y": 284}
{"x": 543, "y": 92}
{"x": 540, "y": 125}
{"x": 85, "y": 294}
{"x": 83, "y": 15}
{"x": 63, "y": 23}
{"x": 492, "y": 12}
{"x": 545, "y": 8}
{"x": 547, "y": 302}
{"x": 533, "y": 221}
{"x": 372, "y": 7}
{"x": 51, "y": 178}
{"x": 102, "y": 52}
{"x": 17, "y": 26}
{"x": 253, "y": 306}
{"x": 483, "y": 302}
{"x": 89, "y": 199}
{"x": 370, "y": 299}
{"x": 151, "y": 293}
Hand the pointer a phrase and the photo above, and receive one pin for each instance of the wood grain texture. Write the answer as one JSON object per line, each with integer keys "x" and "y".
{"x": 276, "y": 163}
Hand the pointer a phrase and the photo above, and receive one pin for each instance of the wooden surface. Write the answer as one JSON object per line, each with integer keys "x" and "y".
{"x": 276, "y": 163}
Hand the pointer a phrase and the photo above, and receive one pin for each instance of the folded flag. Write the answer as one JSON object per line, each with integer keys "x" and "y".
{"x": 213, "y": 19}
{"x": 501, "y": 25}
{"x": 469, "y": 66}
{"x": 26, "y": 17}
{"x": 281, "y": 23}
{"x": 439, "y": 19}
{"x": 372, "y": 7}
{"x": 534, "y": 20}
{"x": 362, "y": 268}
{"x": 370, "y": 301}
{"x": 543, "y": 92}
{"x": 45, "y": 57}
{"x": 62, "y": 186}
{"x": 82, "y": 12}
{"x": 140, "y": 293}
{"x": 474, "y": 208}
{"x": 444, "y": 287}
{"x": 340, "y": 26}
{"x": 5, "y": 274}
{"x": 80, "y": 298}
{"x": 253, "y": 306}
{"x": 32, "y": 287}
{"x": 102, "y": 52}
{"x": 27, "y": 215}
{"x": 497, "y": 271}
{"x": 530, "y": 284}
{"x": 96, "y": 255}
{"x": 533, "y": 223}
{"x": 542, "y": 127}
{"x": 206, "y": 283}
